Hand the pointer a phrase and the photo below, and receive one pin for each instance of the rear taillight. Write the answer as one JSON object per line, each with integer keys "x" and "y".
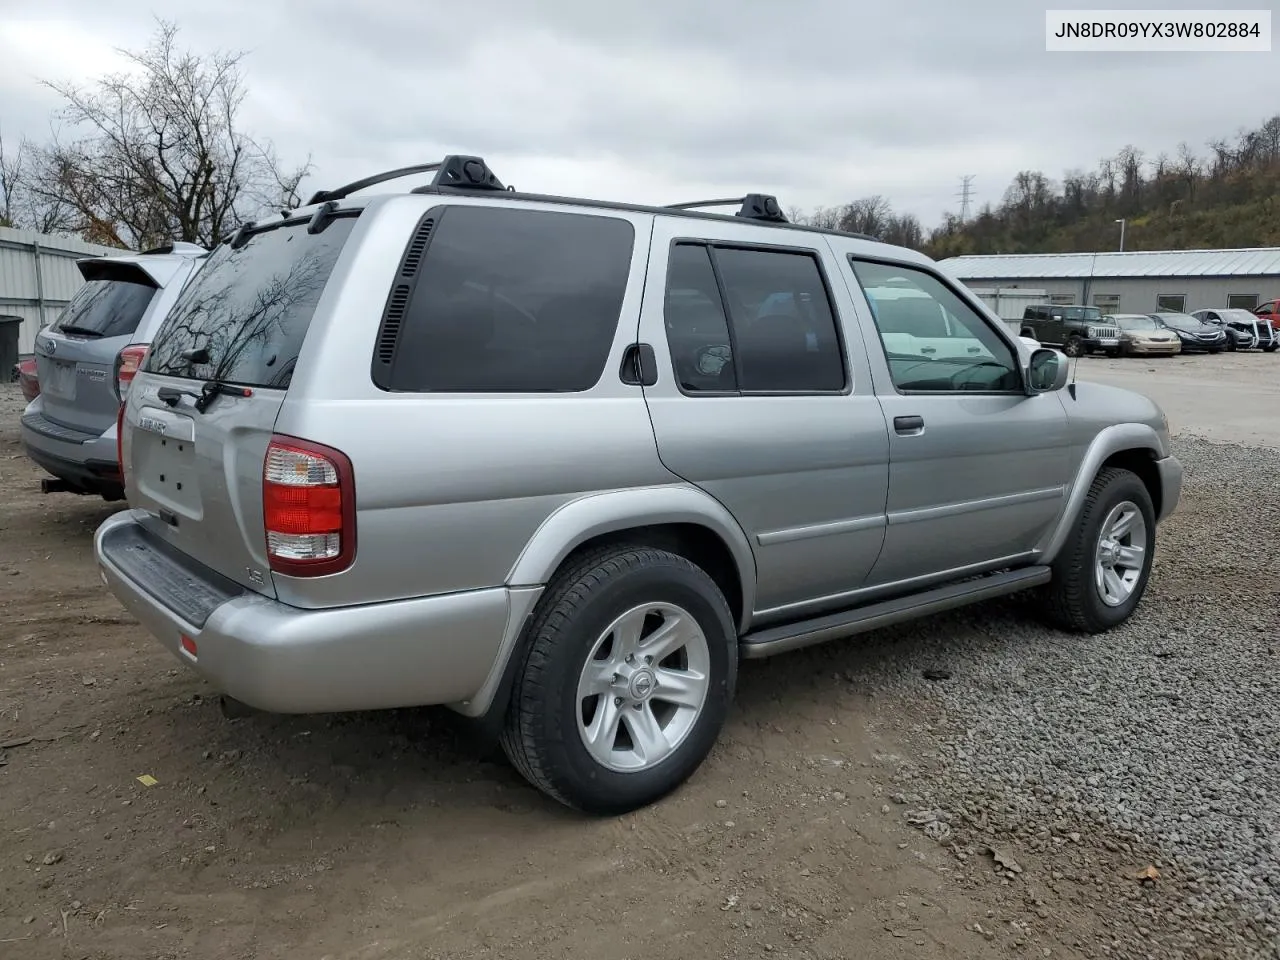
{"x": 28, "y": 379}
{"x": 120, "y": 441}
{"x": 308, "y": 508}
{"x": 128, "y": 361}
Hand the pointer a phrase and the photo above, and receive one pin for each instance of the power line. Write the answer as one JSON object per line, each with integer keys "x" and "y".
{"x": 965, "y": 195}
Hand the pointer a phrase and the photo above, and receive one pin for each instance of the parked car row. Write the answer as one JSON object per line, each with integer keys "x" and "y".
{"x": 1082, "y": 330}
{"x": 561, "y": 464}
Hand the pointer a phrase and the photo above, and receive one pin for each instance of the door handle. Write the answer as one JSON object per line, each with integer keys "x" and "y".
{"x": 908, "y": 425}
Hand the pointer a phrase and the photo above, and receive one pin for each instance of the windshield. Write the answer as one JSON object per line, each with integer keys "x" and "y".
{"x": 1238, "y": 316}
{"x": 1136, "y": 323}
{"x": 1082, "y": 313}
{"x": 105, "y": 308}
{"x": 1185, "y": 321}
{"x": 246, "y": 314}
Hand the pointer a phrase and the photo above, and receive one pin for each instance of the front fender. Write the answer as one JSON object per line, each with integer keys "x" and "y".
{"x": 602, "y": 513}
{"x": 1109, "y": 441}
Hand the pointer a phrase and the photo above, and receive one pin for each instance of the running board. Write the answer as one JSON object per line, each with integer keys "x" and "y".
{"x": 792, "y": 636}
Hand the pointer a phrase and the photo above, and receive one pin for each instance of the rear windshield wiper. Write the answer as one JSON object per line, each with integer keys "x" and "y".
{"x": 81, "y": 332}
{"x": 210, "y": 390}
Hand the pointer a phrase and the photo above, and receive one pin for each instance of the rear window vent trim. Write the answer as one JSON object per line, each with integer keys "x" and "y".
{"x": 401, "y": 293}
{"x": 392, "y": 322}
{"x": 417, "y": 247}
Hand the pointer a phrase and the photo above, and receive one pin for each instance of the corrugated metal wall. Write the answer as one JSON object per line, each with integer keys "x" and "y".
{"x": 1140, "y": 295}
{"x": 38, "y": 276}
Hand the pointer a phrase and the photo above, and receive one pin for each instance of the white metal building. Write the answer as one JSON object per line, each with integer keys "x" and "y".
{"x": 1133, "y": 282}
{"x": 38, "y": 276}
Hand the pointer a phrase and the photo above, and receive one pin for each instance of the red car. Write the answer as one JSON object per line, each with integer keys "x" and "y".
{"x": 1270, "y": 311}
{"x": 27, "y": 378}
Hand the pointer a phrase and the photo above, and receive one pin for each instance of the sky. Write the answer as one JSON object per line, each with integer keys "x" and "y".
{"x": 818, "y": 102}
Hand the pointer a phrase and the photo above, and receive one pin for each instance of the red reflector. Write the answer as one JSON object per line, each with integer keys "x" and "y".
{"x": 188, "y": 645}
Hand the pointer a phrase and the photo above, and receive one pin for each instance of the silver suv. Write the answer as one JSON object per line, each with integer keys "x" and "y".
{"x": 86, "y": 358}
{"x": 560, "y": 464}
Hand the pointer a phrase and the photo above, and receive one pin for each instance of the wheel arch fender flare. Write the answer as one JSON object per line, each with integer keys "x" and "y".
{"x": 1119, "y": 438}
{"x": 600, "y": 514}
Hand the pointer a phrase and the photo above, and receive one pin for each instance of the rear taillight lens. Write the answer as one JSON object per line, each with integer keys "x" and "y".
{"x": 308, "y": 507}
{"x": 128, "y": 361}
{"x": 28, "y": 379}
{"x": 120, "y": 441}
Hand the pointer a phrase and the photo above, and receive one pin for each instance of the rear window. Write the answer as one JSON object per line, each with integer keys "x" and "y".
{"x": 512, "y": 300}
{"x": 105, "y": 308}
{"x": 244, "y": 316}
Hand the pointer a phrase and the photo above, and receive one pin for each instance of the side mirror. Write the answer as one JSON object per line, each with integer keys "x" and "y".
{"x": 1047, "y": 371}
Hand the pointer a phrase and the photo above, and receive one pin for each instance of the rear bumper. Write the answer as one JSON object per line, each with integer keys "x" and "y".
{"x": 1170, "y": 471}
{"x": 90, "y": 463}
{"x": 432, "y": 650}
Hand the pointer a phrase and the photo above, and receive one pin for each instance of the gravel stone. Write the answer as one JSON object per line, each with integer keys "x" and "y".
{"x": 1155, "y": 744}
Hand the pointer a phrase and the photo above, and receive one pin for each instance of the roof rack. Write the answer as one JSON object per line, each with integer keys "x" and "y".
{"x": 453, "y": 171}
{"x": 754, "y": 206}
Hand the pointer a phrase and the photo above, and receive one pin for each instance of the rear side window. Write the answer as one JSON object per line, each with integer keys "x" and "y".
{"x": 244, "y": 316}
{"x": 509, "y": 301}
{"x": 774, "y": 330}
{"x": 105, "y": 308}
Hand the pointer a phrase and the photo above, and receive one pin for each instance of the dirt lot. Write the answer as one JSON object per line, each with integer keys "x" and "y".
{"x": 395, "y": 836}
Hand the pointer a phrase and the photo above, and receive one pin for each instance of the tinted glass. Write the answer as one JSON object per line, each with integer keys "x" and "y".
{"x": 932, "y": 339}
{"x": 514, "y": 301}
{"x": 250, "y": 308}
{"x": 1083, "y": 313}
{"x": 697, "y": 331}
{"x": 1242, "y": 301}
{"x": 1173, "y": 302}
{"x": 105, "y": 308}
{"x": 784, "y": 328}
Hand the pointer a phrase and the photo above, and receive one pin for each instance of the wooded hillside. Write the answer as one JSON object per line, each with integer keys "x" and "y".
{"x": 1225, "y": 197}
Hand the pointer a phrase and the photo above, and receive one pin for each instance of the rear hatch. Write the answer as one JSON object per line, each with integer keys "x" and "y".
{"x": 75, "y": 357}
{"x": 240, "y": 323}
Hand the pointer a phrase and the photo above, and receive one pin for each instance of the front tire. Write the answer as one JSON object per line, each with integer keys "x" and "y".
{"x": 1074, "y": 347}
{"x": 1101, "y": 573}
{"x": 626, "y": 683}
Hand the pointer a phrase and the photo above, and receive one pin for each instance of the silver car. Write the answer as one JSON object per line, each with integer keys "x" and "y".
{"x": 561, "y": 464}
{"x": 86, "y": 358}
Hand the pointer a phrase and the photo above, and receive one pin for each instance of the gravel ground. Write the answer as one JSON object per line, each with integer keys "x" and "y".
{"x": 1155, "y": 742}
{"x": 1043, "y": 795}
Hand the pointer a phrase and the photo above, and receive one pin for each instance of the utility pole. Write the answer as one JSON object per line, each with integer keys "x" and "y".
{"x": 965, "y": 195}
{"x": 1121, "y": 222}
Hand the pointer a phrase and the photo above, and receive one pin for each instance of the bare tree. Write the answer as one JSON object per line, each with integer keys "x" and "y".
{"x": 869, "y": 215}
{"x": 161, "y": 154}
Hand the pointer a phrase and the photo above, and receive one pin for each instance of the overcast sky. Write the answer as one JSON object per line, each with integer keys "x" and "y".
{"x": 816, "y": 101}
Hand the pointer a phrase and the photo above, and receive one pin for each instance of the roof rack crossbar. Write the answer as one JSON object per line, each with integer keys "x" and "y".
{"x": 754, "y": 206}
{"x": 453, "y": 171}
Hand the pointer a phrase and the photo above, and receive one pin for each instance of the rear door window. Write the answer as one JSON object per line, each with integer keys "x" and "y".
{"x": 244, "y": 316}
{"x": 104, "y": 308}
{"x": 511, "y": 300}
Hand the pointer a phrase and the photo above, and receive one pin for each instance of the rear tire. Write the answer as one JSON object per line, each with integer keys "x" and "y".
{"x": 1098, "y": 579}
{"x": 613, "y": 603}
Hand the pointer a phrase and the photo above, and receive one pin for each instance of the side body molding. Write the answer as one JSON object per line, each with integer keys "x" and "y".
{"x": 1107, "y": 443}
{"x": 602, "y": 513}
